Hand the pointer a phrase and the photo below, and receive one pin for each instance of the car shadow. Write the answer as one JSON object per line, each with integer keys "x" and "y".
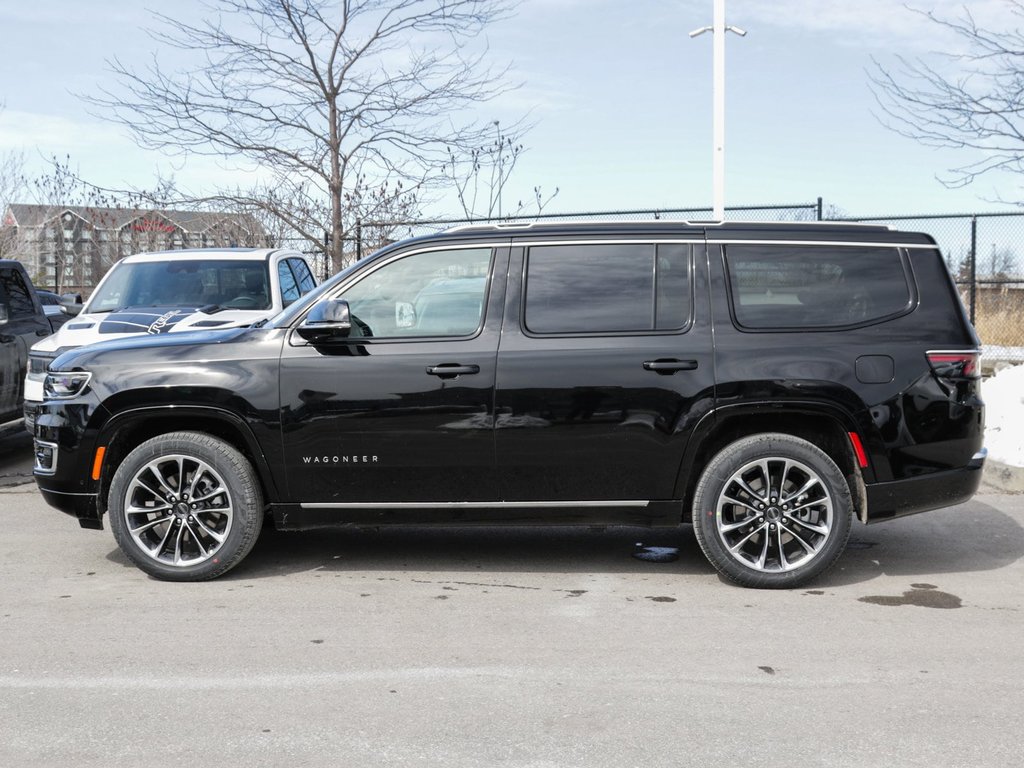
{"x": 968, "y": 538}
{"x": 516, "y": 549}
{"x": 462, "y": 549}
{"x": 972, "y": 537}
{"x": 15, "y": 455}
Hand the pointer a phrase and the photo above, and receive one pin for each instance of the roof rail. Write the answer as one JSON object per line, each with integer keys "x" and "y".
{"x": 552, "y": 223}
{"x": 497, "y": 225}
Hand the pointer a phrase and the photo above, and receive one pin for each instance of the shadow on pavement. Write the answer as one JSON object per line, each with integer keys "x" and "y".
{"x": 967, "y": 538}
{"x": 15, "y": 455}
{"x": 970, "y": 538}
{"x": 465, "y": 550}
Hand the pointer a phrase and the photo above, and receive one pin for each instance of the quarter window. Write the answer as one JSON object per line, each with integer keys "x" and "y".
{"x": 806, "y": 286}
{"x": 621, "y": 288}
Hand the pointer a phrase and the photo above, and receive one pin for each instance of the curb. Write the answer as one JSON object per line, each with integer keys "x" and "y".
{"x": 1003, "y": 477}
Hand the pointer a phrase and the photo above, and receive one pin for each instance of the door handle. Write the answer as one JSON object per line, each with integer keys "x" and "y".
{"x": 666, "y": 367}
{"x": 451, "y": 370}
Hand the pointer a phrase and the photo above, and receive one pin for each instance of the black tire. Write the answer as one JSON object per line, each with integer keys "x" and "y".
{"x": 185, "y": 506}
{"x": 772, "y": 511}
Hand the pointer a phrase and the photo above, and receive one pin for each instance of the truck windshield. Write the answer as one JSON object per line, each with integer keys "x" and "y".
{"x": 230, "y": 283}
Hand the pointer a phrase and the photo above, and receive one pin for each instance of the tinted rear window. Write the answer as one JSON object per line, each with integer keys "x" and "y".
{"x": 620, "y": 288}
{"x": 811, "y": 286}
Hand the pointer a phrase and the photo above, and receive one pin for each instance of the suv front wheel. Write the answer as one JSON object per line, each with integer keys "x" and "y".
{"x": 185, "y": 506}
{"x": 772, "y": 511}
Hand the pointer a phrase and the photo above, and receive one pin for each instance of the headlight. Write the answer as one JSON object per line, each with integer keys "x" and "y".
{"x": 63, "y": 386}
{"x": 37, "y": 364}
{"x": 39, "y": 361}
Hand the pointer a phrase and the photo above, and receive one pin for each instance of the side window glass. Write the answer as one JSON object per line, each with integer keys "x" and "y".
{"x": 289, "y": 288}
{"x": 807, "y": 286}
{"x": 672, "y": 291}
{"x": 18, "y": 296}
{"x": 302, "y": 274}
{"x": 625, "y": 288}
{"x": 434, "y": 293}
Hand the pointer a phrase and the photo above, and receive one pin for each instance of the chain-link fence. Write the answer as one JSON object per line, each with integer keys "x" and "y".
{"x": 981, "y": 251}
{"x": 365, "y": 237}
{"x": 794, "y": 212}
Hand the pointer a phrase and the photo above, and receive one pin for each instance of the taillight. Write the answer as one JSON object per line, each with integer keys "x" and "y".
{"x": 956, "y": 365}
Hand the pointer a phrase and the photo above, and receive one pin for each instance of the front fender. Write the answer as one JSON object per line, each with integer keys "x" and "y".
{"x": 127, "y": 428}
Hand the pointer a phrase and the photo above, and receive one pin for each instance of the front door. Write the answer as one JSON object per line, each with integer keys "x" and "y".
{"x": 401, "y": 411}
{"x": 25, "y": 325}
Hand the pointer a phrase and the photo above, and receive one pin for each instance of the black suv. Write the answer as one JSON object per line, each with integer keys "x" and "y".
{"x": 766, "y": 382}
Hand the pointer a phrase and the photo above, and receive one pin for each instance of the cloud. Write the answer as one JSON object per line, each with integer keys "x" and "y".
{"x": 20, "y": 130}
{"x": 72, "y": 14}
{"x": 879, "y": 23}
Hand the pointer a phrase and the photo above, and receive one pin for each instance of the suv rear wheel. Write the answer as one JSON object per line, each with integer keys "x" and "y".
{"x": 185, "y": 506}
{"x": 772, "y": 511}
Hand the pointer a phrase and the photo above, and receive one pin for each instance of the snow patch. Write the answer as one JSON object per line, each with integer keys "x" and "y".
{"x": 1004, "y": 415}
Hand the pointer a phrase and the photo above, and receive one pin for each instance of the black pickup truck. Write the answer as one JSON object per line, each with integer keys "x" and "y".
{"x": 22, "y": 323}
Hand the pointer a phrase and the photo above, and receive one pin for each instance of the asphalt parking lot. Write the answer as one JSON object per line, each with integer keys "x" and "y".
{"x": 510, "y": 647}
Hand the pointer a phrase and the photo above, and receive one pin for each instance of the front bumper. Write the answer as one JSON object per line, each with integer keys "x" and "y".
{"x": 30, "y": 410}
{"x": 80, "y": 505}
{"x": 63, "y": 451}
{"x": 899, "y": 498}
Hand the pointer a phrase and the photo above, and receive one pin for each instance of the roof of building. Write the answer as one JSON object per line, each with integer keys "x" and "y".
{"x": 26, "y": 215}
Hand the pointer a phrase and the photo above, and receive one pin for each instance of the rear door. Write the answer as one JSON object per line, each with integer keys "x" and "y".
{"x": 604, "y": 368}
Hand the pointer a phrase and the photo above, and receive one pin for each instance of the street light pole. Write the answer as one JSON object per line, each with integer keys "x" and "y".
{"x": 718, "y": 30}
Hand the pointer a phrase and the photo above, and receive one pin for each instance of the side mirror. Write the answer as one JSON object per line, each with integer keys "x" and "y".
{"x": 69, "y": 306}
{"x": 330, "y": 319}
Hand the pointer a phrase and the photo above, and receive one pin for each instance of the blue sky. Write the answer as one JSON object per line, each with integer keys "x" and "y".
{"x": 618, "y": 93}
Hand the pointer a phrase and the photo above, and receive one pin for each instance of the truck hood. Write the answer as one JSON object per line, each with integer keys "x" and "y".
{"x": 151, "y": 321}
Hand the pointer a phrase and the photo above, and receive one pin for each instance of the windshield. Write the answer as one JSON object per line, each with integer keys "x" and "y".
{"x": 230, "y": 283}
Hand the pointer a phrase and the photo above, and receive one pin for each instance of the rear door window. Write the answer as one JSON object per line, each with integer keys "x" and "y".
{"x": 607, "y": 289}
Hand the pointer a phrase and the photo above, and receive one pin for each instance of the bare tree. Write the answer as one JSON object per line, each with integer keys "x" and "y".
{"x": 326, "y": 98}
{"x": 61, "y": 241}
{"x": 12, "y": 186}
{"x": 1001, "y": 262}
{"x": 372, "y": 216}
{"x": 978, "y": 107}
{"x": 479, "y": 177}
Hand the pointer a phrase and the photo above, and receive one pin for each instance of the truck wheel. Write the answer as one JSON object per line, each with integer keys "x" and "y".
{"x": 772, "y": 511}
{"x": 185, "y": 506}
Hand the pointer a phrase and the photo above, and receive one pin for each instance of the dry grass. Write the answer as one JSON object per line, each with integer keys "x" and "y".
{"x": 1002, "y": 327}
